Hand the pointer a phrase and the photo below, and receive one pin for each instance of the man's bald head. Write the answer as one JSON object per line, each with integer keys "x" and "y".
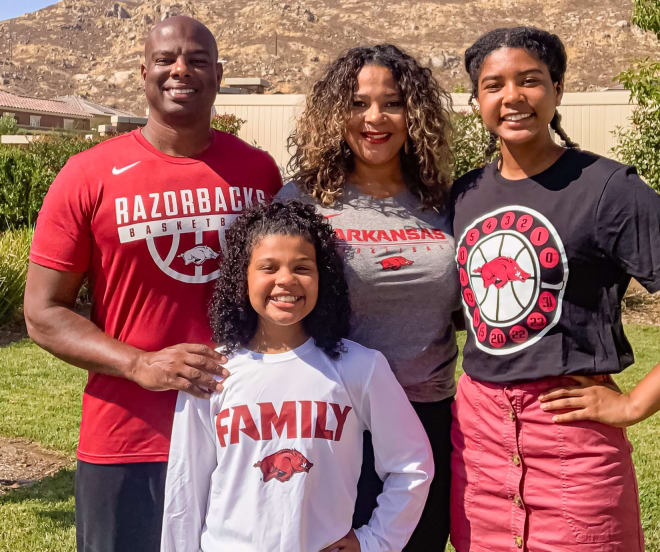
{"x": 185, "y": 25}
{"x": 181, "y": 73}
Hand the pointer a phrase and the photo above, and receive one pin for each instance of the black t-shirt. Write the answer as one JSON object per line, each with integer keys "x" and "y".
{"x": 544, "y": 263}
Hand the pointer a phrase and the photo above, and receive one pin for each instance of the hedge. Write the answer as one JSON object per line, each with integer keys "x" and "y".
{"x": 26, "y": 174}
{"x": 14, "y": 251}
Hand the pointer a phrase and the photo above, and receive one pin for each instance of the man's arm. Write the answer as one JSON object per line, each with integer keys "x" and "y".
{"x": 51, "y": 322}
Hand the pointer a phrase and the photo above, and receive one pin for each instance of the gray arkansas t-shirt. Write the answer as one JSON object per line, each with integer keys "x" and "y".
{"x": 403, "y": 284}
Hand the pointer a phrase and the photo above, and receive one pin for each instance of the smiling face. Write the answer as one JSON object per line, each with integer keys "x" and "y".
{"x": 181, "y": 72}
{"x": 517, "y": 98}
{"x": 283, "y": 283}
{"x": 376, "y": 129}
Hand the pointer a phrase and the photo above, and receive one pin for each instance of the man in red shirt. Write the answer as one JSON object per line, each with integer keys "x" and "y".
{"x": 142, "y": 216}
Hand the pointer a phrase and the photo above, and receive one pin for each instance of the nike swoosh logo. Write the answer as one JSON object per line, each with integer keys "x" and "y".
{"x": 330, "y": 216}
{"x": 117, "y": 171}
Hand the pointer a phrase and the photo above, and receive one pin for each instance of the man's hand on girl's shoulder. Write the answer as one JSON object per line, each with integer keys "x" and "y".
{"x": 188, "y": 367}
{"x": 349, "y": 543}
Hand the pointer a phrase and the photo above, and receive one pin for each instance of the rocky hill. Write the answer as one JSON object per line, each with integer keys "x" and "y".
{"x": 94, "y": 47}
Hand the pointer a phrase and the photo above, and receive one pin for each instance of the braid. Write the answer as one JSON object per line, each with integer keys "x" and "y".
{"x": 492, "y": 146}
{"x": 555, "y": 125}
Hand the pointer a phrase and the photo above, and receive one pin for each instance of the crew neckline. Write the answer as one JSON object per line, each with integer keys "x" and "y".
{"x": 271, "y": 358}
{"x": 403, "y": 195}
{"x": 137, "y": 134}
{"x": 538, "y": 177}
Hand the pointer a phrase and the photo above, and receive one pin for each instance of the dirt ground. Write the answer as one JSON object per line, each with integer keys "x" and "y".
{"x": 640, "y": 307}
{"x": 23, "y": 463}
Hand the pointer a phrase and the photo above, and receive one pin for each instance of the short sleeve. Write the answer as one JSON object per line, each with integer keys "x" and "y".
{"x": 628, "y": 226}
{"x": 288, "y": 192}
{"x": 62, "y": 237}
{"x": 274, "y": 178}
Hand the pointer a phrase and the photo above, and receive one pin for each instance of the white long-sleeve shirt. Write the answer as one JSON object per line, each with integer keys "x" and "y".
{"x": 272, "y": 462}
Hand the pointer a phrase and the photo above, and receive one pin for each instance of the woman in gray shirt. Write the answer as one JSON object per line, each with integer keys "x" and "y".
{"x": 371, "y": 151}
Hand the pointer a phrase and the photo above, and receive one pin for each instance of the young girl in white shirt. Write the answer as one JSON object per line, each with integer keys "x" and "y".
{"x": 272, "y": 462}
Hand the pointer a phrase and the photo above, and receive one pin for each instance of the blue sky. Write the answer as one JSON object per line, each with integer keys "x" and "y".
{"x": 15, "y": 8}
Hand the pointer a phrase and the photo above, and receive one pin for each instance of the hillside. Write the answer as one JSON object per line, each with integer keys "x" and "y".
{"x": 94, "y": 47}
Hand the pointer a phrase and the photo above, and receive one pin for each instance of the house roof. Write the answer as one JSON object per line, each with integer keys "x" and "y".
{"x": 92, "y": 108}
{"x": 27, "y": 103}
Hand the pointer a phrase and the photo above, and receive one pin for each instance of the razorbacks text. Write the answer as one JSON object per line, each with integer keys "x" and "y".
{"x": 185, "y": 202}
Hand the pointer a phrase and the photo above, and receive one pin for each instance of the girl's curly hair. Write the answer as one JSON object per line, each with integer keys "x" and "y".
{"x": 545, "y": 46}
{"x": 234, "y": 321}
{"x": 322, "y": 160}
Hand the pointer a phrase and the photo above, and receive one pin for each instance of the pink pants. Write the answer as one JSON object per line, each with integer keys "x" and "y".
{"x": 522, "y": 482}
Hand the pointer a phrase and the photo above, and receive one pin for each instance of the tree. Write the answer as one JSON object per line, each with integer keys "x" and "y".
{"x": 646, "y": 15}
{"x": 639, "y": 145}
{"x": 227, "y": 122}
{"x": 8, "y": 125}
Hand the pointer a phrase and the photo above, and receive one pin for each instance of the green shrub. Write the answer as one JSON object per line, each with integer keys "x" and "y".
{"x": 14, "y": 251}
{"x": 646, "y": 15}
{"x": 469, "y": 142}
{"x": 227, "y": 122}
{"x": 639, "y": 145}
{"x": 8, "y": 125}
{"x": 26, "y": 174}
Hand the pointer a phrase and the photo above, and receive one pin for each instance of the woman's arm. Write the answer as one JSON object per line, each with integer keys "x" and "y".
{"x": 191, "y": 463}
{"x": 602, "y": 402}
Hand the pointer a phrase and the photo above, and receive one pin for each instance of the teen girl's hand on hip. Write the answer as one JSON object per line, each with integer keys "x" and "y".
{"x": 349, "y": 543}
{"x": 602, "y": 401}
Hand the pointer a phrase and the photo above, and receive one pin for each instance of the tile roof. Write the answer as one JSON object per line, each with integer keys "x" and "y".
{"x": 92, "y": 108}
{"x": 27, "y": 103}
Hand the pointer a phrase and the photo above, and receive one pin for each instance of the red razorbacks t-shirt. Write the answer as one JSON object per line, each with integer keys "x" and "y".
{"x": 148, "y": 229}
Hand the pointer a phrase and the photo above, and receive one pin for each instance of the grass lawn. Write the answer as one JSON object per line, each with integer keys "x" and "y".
{"x": 40, "y": 400}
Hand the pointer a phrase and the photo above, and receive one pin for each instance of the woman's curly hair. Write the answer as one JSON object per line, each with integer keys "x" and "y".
{"x": 234, "y": 321}
{"x": 322, "y": 160}
{"x": 546, "y": 47}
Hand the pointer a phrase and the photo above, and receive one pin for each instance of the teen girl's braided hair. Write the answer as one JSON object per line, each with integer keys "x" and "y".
{"x": 545, "y": 46}
{"x": 322, "y": 161}
{"x": 234, "y": 321}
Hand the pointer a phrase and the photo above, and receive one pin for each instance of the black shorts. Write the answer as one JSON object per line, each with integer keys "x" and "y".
{"x": 433, "y": 527}
{"x": 119, "y": 507}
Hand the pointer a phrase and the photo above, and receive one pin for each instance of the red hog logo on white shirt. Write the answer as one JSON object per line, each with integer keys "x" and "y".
{"x": 282, "y": 464}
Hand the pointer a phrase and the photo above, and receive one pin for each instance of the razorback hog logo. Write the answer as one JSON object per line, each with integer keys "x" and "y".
{"x": 198, "y": 255}
{"x": 394, "y": 263}
{"x": 501, "y": 270}
{"x": 282, "y": 464}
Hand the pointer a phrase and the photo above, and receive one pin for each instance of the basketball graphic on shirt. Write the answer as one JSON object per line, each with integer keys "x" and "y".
{"x": 188, "y": 249}
{"x": 513, "y": 272}
{"x": 190, "y": 257}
